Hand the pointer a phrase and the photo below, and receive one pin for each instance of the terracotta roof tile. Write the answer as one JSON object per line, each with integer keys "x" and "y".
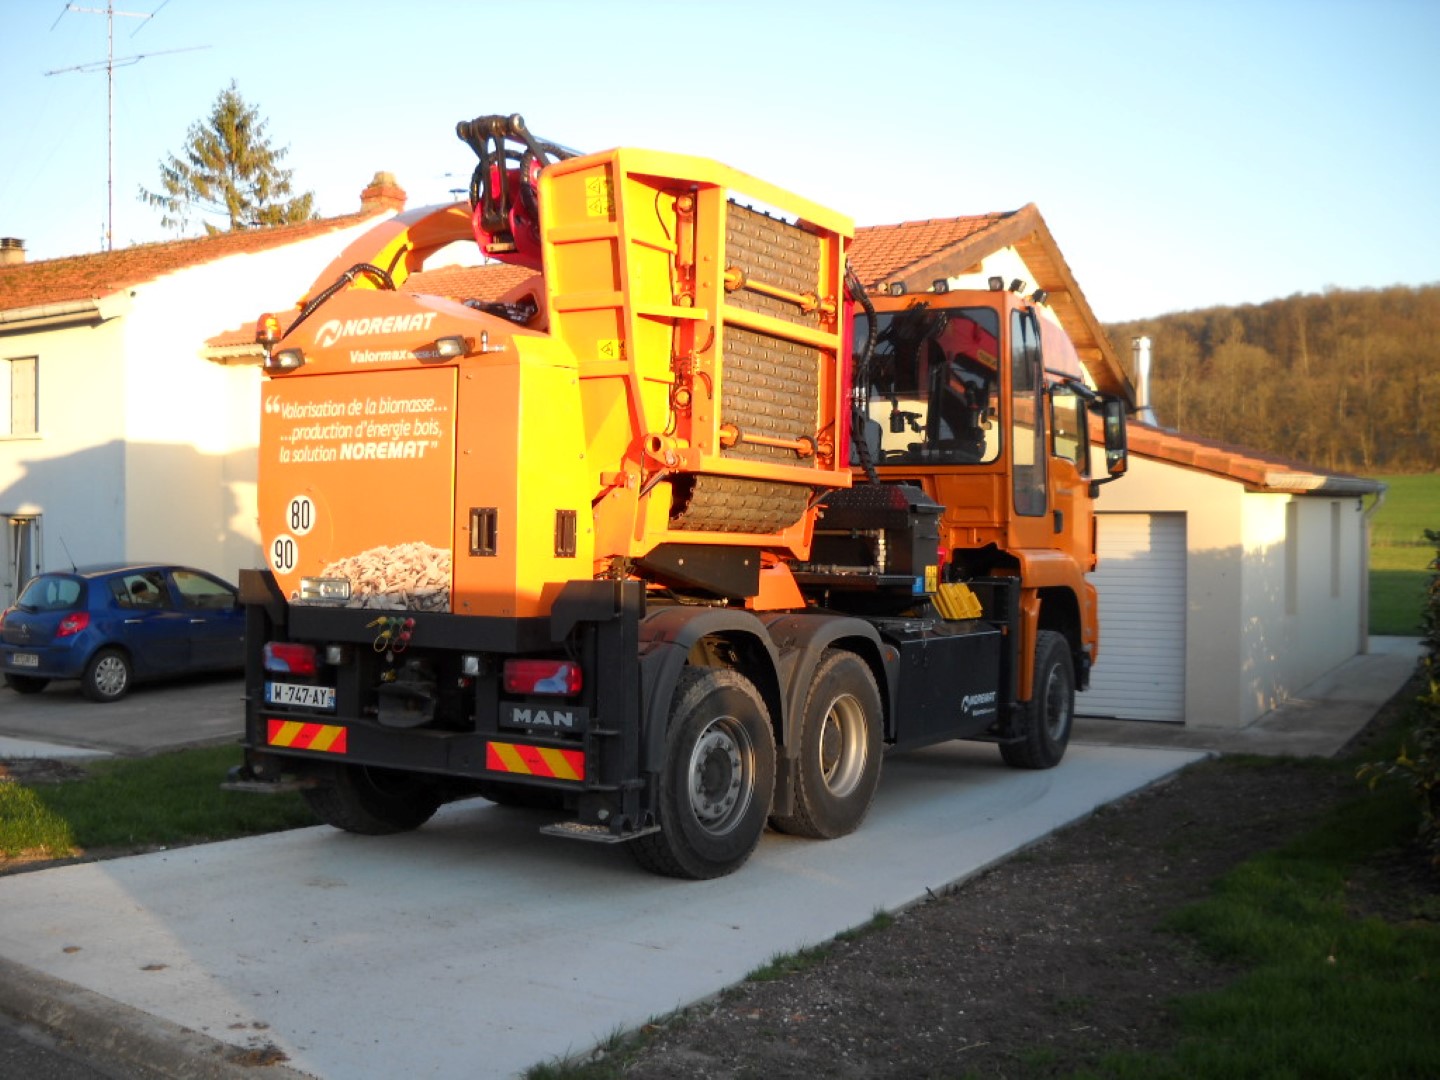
{"x": 488, "y": 282}
{"x": 89, "y": 277}
{"x": 883, "y": 251}
{"x": 1260, "y": 472}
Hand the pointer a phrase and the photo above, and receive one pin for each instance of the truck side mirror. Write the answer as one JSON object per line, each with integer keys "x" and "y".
{"x": 1117, "y": 453}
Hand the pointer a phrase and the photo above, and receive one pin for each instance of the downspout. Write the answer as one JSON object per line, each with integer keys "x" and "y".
{"x": 1365, "y": 517}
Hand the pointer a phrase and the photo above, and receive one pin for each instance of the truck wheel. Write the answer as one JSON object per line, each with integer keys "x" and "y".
{"x": 372, "y": 802}
{"x": 717, "y": 778}
{"x": 1043, "y": 722}
{"x": 839, "y": 750}
{"x": 107, "y": 676}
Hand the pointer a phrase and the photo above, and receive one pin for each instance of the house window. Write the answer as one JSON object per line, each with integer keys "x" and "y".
{"x": 21, "y": 377}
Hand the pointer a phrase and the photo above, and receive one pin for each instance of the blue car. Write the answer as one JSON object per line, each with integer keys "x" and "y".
{"x": 112, "y": 626}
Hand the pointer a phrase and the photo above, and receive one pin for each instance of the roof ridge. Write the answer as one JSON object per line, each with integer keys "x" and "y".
{"x": 1228, "y": 458}
{"x": 96, "y": 274}
{"x": 339, "y": 221}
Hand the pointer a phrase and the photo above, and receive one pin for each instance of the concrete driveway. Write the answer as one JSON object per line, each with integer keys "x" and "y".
{"x": 154, "y": 716}
{"x": 475, "y": 947}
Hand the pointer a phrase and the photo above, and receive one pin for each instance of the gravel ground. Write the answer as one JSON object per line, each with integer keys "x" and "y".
{"x": 1035, "y": 968}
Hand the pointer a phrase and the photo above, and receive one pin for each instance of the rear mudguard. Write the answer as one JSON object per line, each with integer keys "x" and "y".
{"x": 778, "y": 653}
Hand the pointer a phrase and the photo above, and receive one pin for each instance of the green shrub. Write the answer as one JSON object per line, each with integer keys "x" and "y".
{"x": 1418, "y": 763}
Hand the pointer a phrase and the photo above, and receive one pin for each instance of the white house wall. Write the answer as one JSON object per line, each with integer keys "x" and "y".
{"x": 1213, "y": 577}
{"x": 72, "y": 472}
{"x": 1304, "y": 594}
{"x": 1265, "y": 629}
{"x": 1274, "y": 586}
{"x": 189, "y": 427}
{"x": 1009, "y": 266}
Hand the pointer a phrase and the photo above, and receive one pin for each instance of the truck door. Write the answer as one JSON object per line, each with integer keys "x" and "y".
{"x": 1030, "y": 525}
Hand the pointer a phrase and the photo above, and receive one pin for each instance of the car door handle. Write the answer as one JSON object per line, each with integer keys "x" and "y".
{"x": 198, "y": 622}
{"x": 130, "y": 621}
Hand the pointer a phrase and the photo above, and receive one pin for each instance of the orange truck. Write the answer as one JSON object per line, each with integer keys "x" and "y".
{"x": 678, "y": 537}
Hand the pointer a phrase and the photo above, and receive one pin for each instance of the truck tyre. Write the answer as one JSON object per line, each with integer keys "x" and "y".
{"x": 840, "y": 750}
{"x": 107, "y": 676}
{"x": 1043, "y": 723}
{"x": 716, "y": 780}
{"x": 372, "y": 802}
{"x": 26, "y": 684}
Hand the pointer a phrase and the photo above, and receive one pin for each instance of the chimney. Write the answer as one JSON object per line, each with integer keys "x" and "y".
{"x": 12, "y": 251}
{"x": 1140, "y": 347}
{"x": 383, "y": 194}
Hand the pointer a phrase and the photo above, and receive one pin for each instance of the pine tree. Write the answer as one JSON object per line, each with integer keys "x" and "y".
{"x": 230, "y": 171}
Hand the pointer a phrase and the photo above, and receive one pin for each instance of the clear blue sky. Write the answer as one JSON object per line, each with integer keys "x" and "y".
{"x": 1183, "y": 154}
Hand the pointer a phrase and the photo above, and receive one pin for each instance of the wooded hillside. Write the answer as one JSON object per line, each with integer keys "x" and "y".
{"x": 1345, "y": 381}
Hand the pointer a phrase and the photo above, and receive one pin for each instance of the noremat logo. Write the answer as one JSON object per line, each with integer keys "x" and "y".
{"x": 978, "y": 704}
{"x": 335, "y": 329}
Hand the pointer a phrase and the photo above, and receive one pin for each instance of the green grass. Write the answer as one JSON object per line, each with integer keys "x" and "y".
{"x": 1412, "y": 505}
{"x": 168, "y": 799}
{"x": 1399, "y": 554}
{"x": 1325, "y": 993}
{"x": 29, "y": 828}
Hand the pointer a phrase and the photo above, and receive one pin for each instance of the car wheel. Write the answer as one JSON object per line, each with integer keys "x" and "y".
{"x": 107, "y": 676}
{"x": 26, "y": 684}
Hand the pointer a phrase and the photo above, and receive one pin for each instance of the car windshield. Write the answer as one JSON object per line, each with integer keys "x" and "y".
{"x": 51, "y": 593}
{"x": 933, "y": 386}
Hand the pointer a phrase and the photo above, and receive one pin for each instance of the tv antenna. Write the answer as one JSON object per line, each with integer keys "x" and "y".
{"x": 109, "y": 64}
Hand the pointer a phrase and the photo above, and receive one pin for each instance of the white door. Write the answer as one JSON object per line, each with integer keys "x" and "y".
{"x": 1141, "y": 581}
{"x": 22, "y": 555}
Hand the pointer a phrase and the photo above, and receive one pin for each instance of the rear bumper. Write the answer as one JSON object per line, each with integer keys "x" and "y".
{"x": 51, "y": 662}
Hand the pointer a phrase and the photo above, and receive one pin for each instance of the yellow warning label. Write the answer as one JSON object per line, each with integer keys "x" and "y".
{"x": 599, "y": 196}
{"x": 610, "y": 349}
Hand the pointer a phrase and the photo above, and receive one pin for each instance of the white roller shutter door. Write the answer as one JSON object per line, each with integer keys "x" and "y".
{"x": 1141, "y": 583}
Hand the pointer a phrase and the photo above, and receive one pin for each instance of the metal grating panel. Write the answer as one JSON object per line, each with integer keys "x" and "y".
{"x": 771, "y": 388}
{"x": 776, "y": 252}
{"x": 730, "y": 504}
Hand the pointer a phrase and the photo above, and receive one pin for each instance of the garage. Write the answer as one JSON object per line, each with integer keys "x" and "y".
{"x": 1141, "y": 582}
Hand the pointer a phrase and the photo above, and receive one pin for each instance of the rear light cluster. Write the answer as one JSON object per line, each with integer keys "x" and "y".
{"x": 73, "y": 623}
{"x": 559, "y": 677}
{"x": 289, "y": 658}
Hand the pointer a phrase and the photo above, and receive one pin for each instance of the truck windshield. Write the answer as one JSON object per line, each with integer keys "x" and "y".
{"x": 933, "y": 386}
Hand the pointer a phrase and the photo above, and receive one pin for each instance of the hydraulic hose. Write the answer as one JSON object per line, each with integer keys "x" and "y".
{"x": 860, "y": 376}
{"x": 368, "y": 269}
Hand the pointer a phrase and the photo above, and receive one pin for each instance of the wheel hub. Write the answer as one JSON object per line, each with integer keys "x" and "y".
{"x": 719, "y": 794}
{"x": 841, "y": 746}
{"x": 110, "y": 676}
